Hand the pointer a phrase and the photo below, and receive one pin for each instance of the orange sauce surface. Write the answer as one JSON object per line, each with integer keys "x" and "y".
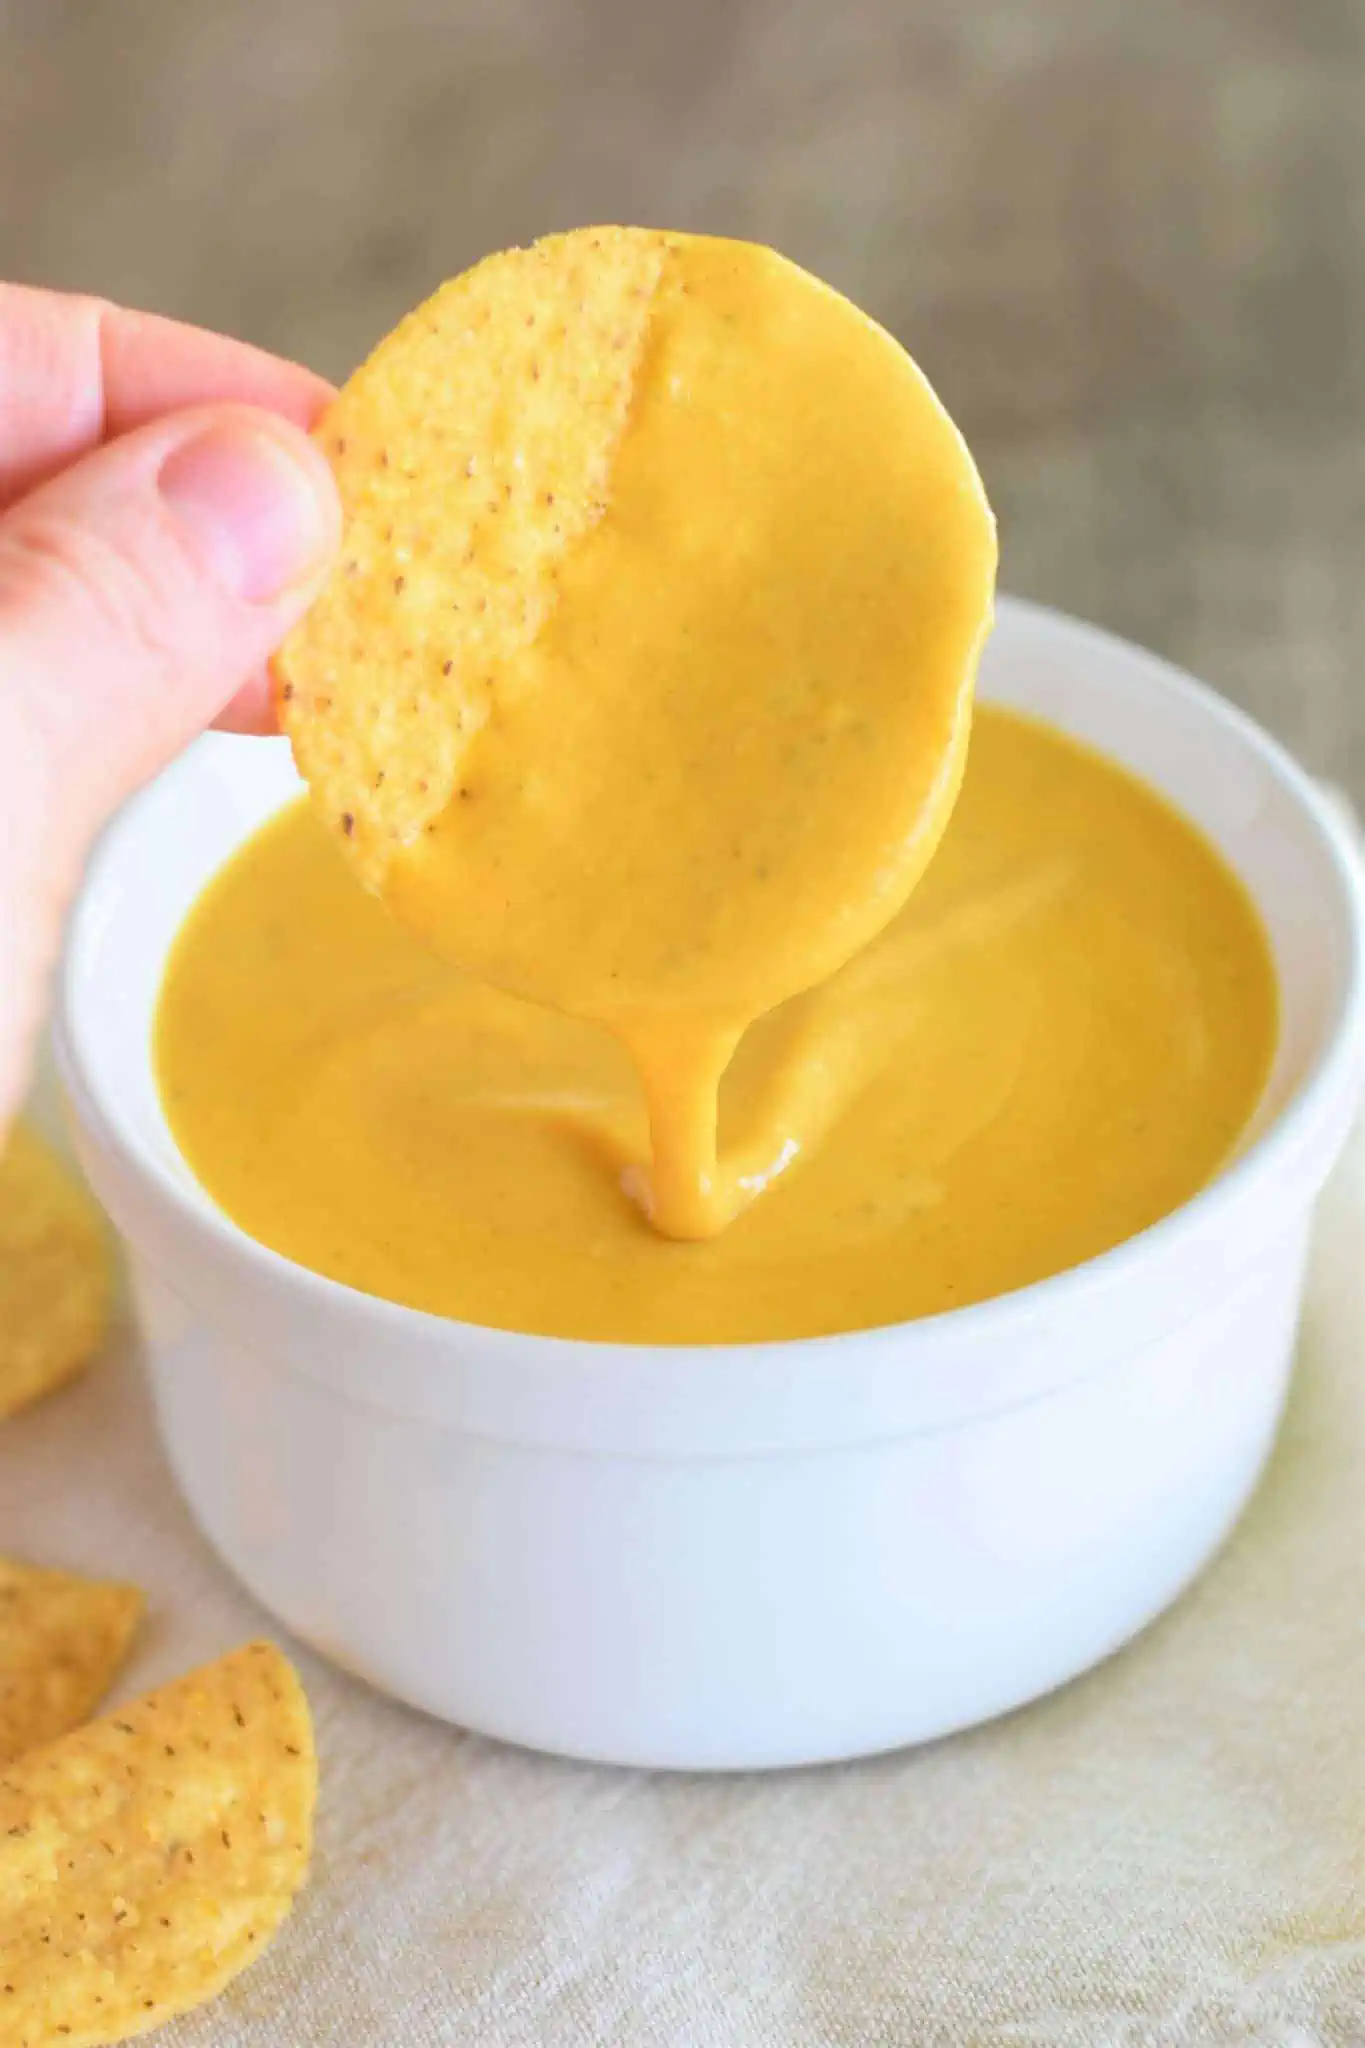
{"x": 1056, "y": 1040}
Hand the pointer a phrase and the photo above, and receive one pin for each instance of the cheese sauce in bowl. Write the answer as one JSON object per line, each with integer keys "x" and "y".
{"x": 1058, "y": 1040}
{"x": 735, "y": 1553}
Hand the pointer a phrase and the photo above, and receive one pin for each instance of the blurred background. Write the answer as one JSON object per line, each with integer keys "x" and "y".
{"x": 1125, "y": 238}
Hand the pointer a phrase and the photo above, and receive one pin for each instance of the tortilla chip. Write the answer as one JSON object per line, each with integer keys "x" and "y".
{"x": 62, "y": 1638}
{"x": 56, "y": 1275}
{"x": 471, "y": 450}
{"x": 149, "y": 1857}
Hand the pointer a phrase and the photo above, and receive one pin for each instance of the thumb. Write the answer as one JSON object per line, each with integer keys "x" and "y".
{"x": 141, "y": 587}
{"x": 137, "y": 590}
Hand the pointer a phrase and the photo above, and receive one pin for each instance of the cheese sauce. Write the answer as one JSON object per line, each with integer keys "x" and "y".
{"x": 721, "y": 761}
{"x": 1057, "y": 1040}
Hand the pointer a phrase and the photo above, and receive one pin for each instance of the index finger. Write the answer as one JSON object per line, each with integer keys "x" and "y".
{"x": 75, "y": 371}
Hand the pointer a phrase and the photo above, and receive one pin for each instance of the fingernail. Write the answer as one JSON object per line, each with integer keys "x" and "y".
{"x": 258, "y": 512}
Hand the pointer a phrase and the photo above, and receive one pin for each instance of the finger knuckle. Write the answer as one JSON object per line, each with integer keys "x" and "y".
{"x": 54, "y": 562}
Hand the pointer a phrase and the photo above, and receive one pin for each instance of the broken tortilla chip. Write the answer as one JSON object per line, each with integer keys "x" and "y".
{"x": 55, "y": 1271}
{"x": 149, "y": 1857}
{"x": 62, "y": 1638}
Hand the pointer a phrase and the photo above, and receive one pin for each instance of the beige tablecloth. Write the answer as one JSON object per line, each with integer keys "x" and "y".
{"x": 1170, "y": 1851}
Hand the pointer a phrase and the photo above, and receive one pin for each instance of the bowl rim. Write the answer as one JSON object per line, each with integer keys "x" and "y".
{"x": 1317, "y": 1099}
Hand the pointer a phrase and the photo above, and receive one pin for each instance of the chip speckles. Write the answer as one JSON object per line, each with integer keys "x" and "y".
{"x": 55, "y": 1271}
{"x": 171, "y": 1873}
{"x": 477, "y": 451}
{"x": 62, "y": 1638}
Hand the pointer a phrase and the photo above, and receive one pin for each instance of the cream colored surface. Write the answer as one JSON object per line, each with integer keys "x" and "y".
{"x": 1170, "y": 1852}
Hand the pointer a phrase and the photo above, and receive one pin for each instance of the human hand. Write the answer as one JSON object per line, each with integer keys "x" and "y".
{"x": 164, "y": 520}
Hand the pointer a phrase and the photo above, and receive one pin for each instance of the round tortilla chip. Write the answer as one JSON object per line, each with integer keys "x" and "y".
{"x": 56, "y": 1271}
{"x": 148, "y": 1858}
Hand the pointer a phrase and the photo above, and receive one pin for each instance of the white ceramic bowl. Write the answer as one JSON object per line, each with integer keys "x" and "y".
{"x": 762, "y": 1554}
